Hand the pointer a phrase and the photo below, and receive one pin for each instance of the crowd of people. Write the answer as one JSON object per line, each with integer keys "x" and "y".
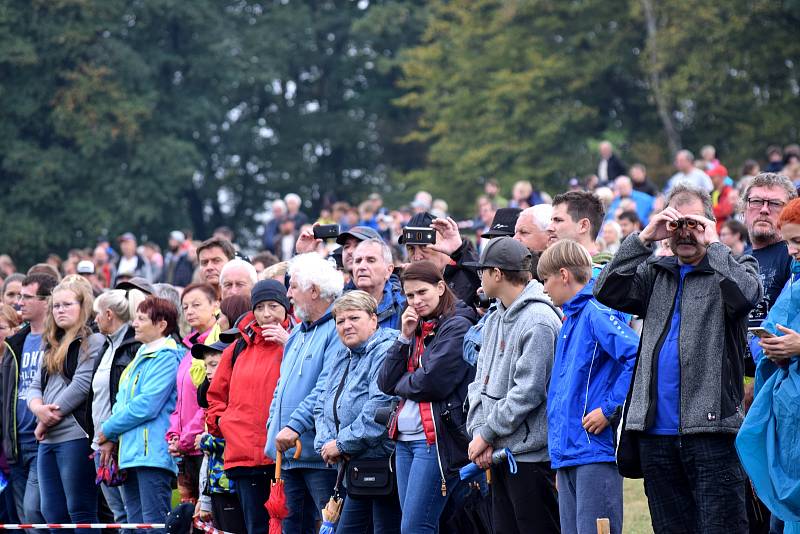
{"x": 501, "y": 376}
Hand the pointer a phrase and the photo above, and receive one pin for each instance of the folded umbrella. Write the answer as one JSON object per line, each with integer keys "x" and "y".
{"x": 276, "y": 504}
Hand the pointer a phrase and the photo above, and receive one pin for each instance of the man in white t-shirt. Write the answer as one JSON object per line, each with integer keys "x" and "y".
{"x": 688, "y": 173}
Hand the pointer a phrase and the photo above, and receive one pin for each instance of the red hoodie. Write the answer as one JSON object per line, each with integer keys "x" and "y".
{"x": 240, "y": 395}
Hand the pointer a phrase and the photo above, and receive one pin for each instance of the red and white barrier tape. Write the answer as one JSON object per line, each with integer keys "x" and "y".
{"x": 207, "y": 527}
{"x": 73, "y": 526}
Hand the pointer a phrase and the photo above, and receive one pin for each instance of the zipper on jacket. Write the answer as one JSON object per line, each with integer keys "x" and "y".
{"x": 146, "y": 440}
{"x": 586, "y": 398}
{"x": 13, "y": 425}
{"x": 438, "y": 456}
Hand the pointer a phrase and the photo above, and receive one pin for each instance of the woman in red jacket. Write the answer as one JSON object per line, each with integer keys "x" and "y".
{"x": 240, "y": 395}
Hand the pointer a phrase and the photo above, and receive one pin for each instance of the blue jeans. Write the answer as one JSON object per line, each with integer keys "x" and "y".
{"x": 307, "y": 492}
{"x": 253, "y": 492}
{"x": 368, "y": 515}
{"x": 147, "y": 493}
{"x": 113, "y": 497}
{"x": 25, "y": 485}
{"x": 66, "y": 483}
{"x": 418, "y": 468}
{"x": 586, "y": 493}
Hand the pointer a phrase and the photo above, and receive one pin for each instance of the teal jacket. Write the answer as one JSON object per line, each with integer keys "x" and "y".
{"x": 140, "y": 417}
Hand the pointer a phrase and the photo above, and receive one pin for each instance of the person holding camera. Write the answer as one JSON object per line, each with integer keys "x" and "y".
{"x": 507, "y": 399}
{"x": 685, "y": 402}
{"x": 426, "y": 369}
{"x": 345, "y": 418}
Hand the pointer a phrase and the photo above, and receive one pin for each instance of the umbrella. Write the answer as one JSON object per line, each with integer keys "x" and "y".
{"x": 276, "y": 504}
{"x": 332, "y": 510}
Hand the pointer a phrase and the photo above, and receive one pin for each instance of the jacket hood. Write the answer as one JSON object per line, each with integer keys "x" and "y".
{"x": 462, "y": 310}
{"x": 576, "y": 303}
{"x": 533, "y": 292}
{"x": 251, "y": 330}
{"x": 17, "y": 341}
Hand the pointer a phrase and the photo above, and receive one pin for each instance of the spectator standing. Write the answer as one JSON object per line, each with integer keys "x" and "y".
{"x": 9, "y": 323}
{"x": 723, "y": 198}
{"x": 372, "y": 273}
{"x": 687, "y": 172}
{"x": 774, "y": 159}
{"x": 610, "y": 165}
{"x": 178, "y": 268}
{"x": 237, "y": 277}
{"x": 623, "y": 188}
{"x": 594, "y": 359}
{"x": 105, "y": 269}
{"x": 426, "y": 369}
{"x": 240, "y": 396}
{"x": 507, "y": 399}
{"x": 345, "y": 415}
{"x": 12, "y": 289}
{"x": 629, "y": 222}
{"x": 114, "y": 311}
{"x": 686, "y": 399}
{"x": 734, "y": 236}
{"x": 293, "y": 205}
{"x": 638, "y": 174}
{"x": 271, "y": 237}
{"x": 140, "y": 416}
{"x": 21, "y": 362}
{"x": 309, "y": 353}
{"x": 492, "y": 191}
{"x": 58, "y": 398}
{"x": 130, "y": 262}
{"x": 212, "y": 255}
{"x": 531, "y": 227}
{"x": 578, "y": 215}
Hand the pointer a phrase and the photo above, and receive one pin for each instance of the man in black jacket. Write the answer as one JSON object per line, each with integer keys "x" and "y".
{"x": 610, "y": 165}
{"x": 23, "y": 353}
{"x": 449, "y": 253}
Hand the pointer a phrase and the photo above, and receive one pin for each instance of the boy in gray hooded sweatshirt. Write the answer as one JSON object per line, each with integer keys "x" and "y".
{"x": 507, "y": 400}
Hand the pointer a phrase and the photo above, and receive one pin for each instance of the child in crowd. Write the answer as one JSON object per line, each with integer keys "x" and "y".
{"x": 594, "y": 359}
{"x": 217, "y": 494}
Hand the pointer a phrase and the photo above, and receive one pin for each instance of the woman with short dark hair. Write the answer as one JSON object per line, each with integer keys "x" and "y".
{"x": 140, "y": 416}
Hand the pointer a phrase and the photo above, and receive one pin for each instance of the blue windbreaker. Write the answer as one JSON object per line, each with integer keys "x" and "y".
{"x": 308, "y": 356}
{"x": 146, "y": 397}
{"x": 595, "y": 354}
{"x": 392, "y": 304}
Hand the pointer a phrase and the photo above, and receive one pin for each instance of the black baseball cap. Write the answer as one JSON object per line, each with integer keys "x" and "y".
{"x": 361, "y": 233}
{"x": 419, "y": 220}
{"x": 137, "y": 282}
{"x": 503, "y": 223}
{"x": 504, "y": 253}
{"x": 199, "y": 350}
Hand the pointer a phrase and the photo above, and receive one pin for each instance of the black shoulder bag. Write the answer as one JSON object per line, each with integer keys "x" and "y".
{"x": 367, "y": 477}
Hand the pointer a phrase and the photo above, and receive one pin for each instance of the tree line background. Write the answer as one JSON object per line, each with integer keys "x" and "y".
{"x": 149, "y": 115}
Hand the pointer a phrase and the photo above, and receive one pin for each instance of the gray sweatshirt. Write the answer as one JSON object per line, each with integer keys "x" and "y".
{"x": 68, "y": 394}
{"x": 507, "y": 399}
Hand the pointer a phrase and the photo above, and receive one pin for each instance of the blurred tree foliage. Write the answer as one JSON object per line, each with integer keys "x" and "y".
{"x": 148, "y": 115}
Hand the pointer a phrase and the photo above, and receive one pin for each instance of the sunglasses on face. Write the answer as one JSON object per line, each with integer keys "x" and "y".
{"x": 690, "y": 224}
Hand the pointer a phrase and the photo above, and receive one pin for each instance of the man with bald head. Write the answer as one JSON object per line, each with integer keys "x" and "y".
{"x": 623, "y": 188}
{"x": 610, "y": 165}
{"x": 688, "y": 173}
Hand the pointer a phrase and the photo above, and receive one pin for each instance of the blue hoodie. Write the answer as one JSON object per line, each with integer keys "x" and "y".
{"x": 308, "y": 356}
{"x": 595, "y": 354}
{"x": 359, "y": 435}
{"x": 146, "y": 397}
{"x": 392, "y": 304}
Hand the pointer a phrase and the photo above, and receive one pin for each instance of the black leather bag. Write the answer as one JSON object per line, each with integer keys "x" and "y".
{"x": 373, "y": 477}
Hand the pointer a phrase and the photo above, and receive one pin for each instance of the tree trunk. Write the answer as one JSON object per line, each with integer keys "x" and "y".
{"x": 654, "y": 75}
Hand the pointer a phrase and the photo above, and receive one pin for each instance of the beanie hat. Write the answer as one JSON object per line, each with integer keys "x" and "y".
{"x": 269, "y": 290}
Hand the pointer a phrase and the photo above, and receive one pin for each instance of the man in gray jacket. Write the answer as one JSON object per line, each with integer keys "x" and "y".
{"x": 685, "y": 403}
{"x": 507, "y": 400}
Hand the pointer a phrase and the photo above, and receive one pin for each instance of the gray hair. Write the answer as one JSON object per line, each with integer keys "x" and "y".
{"x": 171, "y": 293}
{"x": 683, "y": 192}
{"x": 386, "y": 252}
{"x": 540, "y": 213}
{"x": 769, "y": 179}
{"x": 239, "y": 263}
{"x": 122, "y": 303}
{"x": 311, "y": 269}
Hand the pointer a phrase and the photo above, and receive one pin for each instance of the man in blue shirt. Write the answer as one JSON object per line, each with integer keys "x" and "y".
{"x": 23, "y": 355}
{"x": 685, "y": 404}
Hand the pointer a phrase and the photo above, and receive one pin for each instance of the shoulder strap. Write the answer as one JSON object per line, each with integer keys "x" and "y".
{"x": 241, "y": 344}
{"x": 338, "y": 394}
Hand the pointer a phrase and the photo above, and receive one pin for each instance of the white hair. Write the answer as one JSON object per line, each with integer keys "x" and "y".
{"x": 293, "y": 197}
{"x": 541, "y": 214}
{"x": 279, "y": 204}
{"x": 386, "y": 252}
{"x": 311, "y": 269}
{"x": 239, "y": 263}
{"x": 122, "y": 303}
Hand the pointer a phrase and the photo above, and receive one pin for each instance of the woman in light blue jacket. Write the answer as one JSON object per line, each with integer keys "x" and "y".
{"x": 345, "y": 413}
{"x": 140, "y": 417}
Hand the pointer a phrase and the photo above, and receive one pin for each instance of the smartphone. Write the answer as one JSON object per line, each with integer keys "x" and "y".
{"x": 419, "y": 236}
{"x": 326, "y": 231}
{"x": 760, "y": 332}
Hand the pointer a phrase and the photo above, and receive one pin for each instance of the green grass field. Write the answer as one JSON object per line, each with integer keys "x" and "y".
{"x": 637, "y": 516}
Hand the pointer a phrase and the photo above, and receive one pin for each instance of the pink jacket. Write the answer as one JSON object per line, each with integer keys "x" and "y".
{"x": 188, "y": 419}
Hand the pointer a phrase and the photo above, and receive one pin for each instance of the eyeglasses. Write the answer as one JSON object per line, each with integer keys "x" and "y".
{"x": 483, "y": 270}
{"x": 758, "y": 203}
{"x": 690, "y": 224}
{"x": 28, "y": 298}
{"x": 63, "y": 305}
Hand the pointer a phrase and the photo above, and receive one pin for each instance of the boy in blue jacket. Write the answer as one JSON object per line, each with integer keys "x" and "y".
{"x": 594, "y": 359}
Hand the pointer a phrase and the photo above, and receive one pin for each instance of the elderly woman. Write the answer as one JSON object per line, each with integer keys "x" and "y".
{"x": 345, "y": 417}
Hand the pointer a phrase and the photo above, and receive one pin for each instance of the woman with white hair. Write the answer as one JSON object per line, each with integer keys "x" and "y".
{"x": 114, "y": 310}
{"x": 308, "y": 356}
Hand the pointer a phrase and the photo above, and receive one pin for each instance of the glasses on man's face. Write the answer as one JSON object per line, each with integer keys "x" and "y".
{"x": 690, "y": 224}
{"x": 483, "y": 270}
{"x": 27, "y": 298}
{"x": 758, "y": 203}
{"x": 63, "y": 305}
